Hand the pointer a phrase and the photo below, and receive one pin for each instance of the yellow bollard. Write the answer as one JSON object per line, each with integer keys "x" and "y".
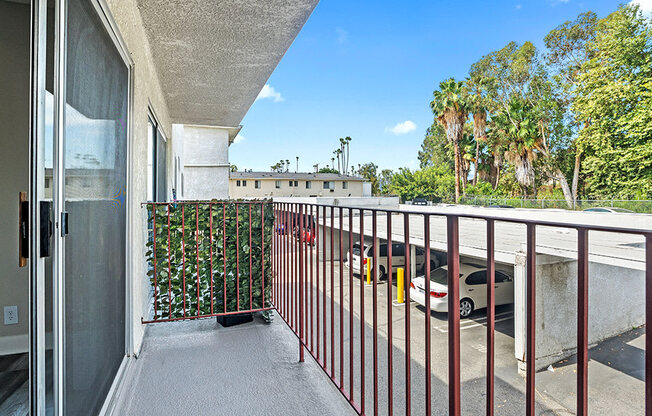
{"x": 368, "y": 272}
{"x": 399, "y": 285}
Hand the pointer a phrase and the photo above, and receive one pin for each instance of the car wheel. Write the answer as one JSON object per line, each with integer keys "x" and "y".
{"x": 382, "y": 274}
{"x": 466, "y": 308}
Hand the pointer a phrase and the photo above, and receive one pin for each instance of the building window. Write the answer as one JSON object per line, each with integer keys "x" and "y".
{"x": 156, "y": 161}
{"x": 329, "y": 185}
{"x": 277, "y": 184}
{"x": 345, "y": 185}
{"x": 296, "y": 183}
{"x": 257, "y": 184}
{"x": 291, "y": 184}
{"x": 237, "y": 183}
{"x": 308, "y": 184}
{"x": 244, "y": 183}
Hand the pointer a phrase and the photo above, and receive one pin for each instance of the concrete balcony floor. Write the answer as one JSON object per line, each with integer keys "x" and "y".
{"x": 200, "y": 368}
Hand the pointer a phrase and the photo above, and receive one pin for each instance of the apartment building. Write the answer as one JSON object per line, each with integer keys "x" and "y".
{"x": 244, "y": 185}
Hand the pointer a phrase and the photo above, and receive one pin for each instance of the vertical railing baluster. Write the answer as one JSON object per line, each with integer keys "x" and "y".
{"x": 155, "y": 261}
{"x": 648, "y": 323}
{"x": 582, "y": 320}
{"x": 332, "y": 293}
{"x": 341, "y": 227}
{"x": 362, "y": 322}
{"x": 491, "y": 316}
{"x": 237, "y": 254}
{"x": 426, "y": 277}
{"x": 300, "y": 282}
{"x": 251, "y": 299}
{"x": 169, "y": 267}
{"x": 453, "y": 316}
{"x": 374, "y": 263}
{"x": 351, "y": 304}
{"x": 408, "y": 279}
{"x": 390, "y": 323}
{"x": 324, "y": 292}
{"x": 262, "y": 246}
{"x": 210, "y": 216}
{"x": 197, "y": 255}
{"x": 317, "y": 314}
{"x": 531, "y": 320}
{"x": 311, "y": 244}
{"x": 183, "y": 253}
{"x": 224, "y": 251}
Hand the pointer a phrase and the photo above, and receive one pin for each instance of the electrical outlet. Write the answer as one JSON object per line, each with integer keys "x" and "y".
{"x": 11, "y": 315}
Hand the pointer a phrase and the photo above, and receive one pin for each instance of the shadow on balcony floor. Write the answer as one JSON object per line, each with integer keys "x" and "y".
{"x": 201, "y": 368}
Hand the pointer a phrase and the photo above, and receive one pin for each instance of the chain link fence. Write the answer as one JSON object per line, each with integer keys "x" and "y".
{"x": 640, "y": 205}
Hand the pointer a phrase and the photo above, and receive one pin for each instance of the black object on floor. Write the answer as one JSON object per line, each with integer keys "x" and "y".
{"x": 231, "y": 320}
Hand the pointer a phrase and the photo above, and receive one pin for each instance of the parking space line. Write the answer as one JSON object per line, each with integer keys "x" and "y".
{"x": 444, "y": 329}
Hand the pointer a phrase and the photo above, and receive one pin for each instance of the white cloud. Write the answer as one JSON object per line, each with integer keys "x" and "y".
{"x": 402, "y": 128}
{"x": 645, "y": 5}
{"x": 342, "y": 35}
{"x": 269, "y": 92}
{"x": 239, "y": 138}
{"x": 519, "y": 6}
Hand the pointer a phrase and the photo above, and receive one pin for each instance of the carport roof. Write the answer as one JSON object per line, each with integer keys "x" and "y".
{"x": 214, "y": 57}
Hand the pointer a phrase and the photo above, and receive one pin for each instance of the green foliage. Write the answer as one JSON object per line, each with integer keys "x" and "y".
{"x": 369, "y": 171}
{"x": 614, "y": 95}
{"x": 435, "y": 149}
{"x": 328, "y": 170}
{"x": 430, "y": 182}
{"x": 198, "y": 251}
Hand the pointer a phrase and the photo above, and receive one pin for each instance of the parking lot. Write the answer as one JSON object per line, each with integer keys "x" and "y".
{"x": 624, "y": 392}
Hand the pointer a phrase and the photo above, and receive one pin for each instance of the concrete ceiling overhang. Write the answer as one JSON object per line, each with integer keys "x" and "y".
{"x": 214, "y": 56}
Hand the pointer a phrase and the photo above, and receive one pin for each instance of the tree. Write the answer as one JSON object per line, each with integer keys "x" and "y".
{"x": 569, "y": 48}
{"x": 433, "y": 183}
{"x": 435, "y": 149}
{"x": 450, "y": 109}
{"x": 614, "y": 93}
{"x": 234, "y": 168}
{"x": 369, "y": 171}
{"x": 478, "y": 86}
{"x": 327, "y": 170}
{"x": 385, "y": 181}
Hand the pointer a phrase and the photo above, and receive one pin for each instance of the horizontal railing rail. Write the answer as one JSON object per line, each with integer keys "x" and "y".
{"x": 306, "y": 287}
{"x": 209, "y": 258}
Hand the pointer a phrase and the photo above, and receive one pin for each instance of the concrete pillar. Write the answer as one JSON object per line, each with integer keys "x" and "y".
{"x": 520, "y": 277}
{"x": 206, "y": 161}
{"x": 413, "y": 261}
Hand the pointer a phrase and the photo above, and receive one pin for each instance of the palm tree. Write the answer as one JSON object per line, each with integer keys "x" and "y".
{"x": 520, "y": 126}
{"x": 477, "y": 86}
{"x": 451, "y": 109}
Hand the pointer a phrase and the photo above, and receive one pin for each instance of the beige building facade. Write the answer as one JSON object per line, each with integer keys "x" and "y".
{"x": 243, "y": 185}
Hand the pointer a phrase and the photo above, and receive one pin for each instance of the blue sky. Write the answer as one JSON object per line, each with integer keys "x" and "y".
{"x": 367, "y": 69}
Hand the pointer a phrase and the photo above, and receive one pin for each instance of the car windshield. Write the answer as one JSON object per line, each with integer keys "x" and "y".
{"x": 356, "y": 249}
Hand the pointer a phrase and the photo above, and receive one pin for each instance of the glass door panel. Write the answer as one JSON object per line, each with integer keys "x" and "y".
{"x": 95, "y": 172}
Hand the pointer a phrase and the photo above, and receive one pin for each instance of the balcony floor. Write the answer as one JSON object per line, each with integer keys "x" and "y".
{"x": 200, "y": 368}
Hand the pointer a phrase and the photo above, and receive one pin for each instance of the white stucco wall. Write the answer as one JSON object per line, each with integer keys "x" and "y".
{"x": 146, "y": 91}
{"x": 616, "y": 304}
{"x": 268, "y": 189}
{"x": 206, "y": 162}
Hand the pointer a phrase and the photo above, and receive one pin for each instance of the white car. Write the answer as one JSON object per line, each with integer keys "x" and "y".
{"x": 473, "y": 289}
{"x": 398, "y": 258}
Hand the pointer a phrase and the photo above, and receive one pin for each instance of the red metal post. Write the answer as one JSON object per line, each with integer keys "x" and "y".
{"x": 648, "y": 323}
{"x": 197, "y": 255}
{"x": 155, "y": 272}
{"x": 582, "y": 320}
{"x": 317, "y": 277}
{"x": 531, "y": 319}
{"x": 224, "y": 251}
{"x": 301, "y": 300}
{"x": 237, "y": 254}
{"x": 169, "y": 268}
{"x": 341, "y": 227}
{"x": 408, "y": 279}
{"x": 251, "y": 306}
{"x": 210, "y": 216}
{"x": 351, "y": 301}
{"x": 183, "y": 253}
{"x": 262, "y": 246}
{"x": 332, "y": 293}
{"x": 312, "y": 299}
{"x": 362, "y": 282}
{"x": 390, "y": 323}
{"x": 374, "y": 236}
{"x": 453, "y": 315}
{"x": 426, "y": 239}
{"x": 491, "y": 315}
{"x": 324, "y": 293}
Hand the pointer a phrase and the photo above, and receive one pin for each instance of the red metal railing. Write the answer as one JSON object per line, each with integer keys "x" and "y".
{"x": 187, "y": 237}
{"x": 302, "y": 304}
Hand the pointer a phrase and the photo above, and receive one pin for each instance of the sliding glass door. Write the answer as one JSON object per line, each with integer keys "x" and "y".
{"x": 94, "y": 209}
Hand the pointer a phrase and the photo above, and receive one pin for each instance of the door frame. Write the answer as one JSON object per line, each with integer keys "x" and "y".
{"x": 37, "y": 266}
